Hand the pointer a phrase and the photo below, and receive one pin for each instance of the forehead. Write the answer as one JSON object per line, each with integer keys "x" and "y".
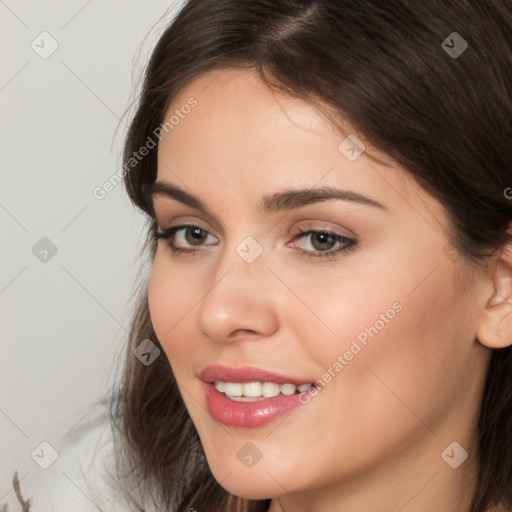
{"x": 241, "y": 131}
{"x": 242, "y": 93}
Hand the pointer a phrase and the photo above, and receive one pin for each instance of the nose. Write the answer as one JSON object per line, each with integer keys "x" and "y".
{"x": 240, "y": 301}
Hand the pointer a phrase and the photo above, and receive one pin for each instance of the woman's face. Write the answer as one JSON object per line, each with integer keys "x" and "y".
{"x": 368, "y": 305}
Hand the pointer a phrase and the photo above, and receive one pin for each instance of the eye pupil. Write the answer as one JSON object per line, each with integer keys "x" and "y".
{"x": 197, "y": 235}
{"x": 323, "y": 239}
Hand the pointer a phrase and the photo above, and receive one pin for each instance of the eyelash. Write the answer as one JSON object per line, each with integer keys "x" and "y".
{"x": 349, "y": 246}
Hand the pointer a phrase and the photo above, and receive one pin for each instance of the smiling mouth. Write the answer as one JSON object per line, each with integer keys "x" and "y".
{"x": 253, "y": 391}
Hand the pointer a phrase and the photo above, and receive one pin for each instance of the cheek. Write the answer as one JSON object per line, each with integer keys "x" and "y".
{"x": 170, "y": 301}
{"x": 160, "y": 299}
{"x": 400, "y": 363}
{"x": 385, "y": 335}
{"x": 344, "y": 309}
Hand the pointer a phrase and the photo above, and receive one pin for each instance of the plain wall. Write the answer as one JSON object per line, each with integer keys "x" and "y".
{"x": 64, "y": 320}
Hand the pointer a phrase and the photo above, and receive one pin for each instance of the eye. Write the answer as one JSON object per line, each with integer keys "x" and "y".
{"x": 323, "y": 243}
{"x": 186, "y": 235}
{"x": 190, "y": 239}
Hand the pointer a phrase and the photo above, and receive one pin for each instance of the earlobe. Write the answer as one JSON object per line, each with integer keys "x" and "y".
{"x": 495, "y": 325}
{"x": 495, "y": 328}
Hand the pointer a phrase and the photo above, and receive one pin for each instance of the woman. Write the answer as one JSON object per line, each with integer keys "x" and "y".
{"x": 328, "y": 320}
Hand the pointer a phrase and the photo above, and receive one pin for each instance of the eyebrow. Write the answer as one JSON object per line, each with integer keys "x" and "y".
{"x": 279, "y": 201}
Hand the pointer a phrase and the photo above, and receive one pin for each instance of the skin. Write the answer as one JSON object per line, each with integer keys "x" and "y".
{"x": 372, "y": 438}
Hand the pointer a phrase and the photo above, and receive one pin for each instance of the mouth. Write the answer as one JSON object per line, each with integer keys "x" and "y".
{"x": 254, "y": 391}
{"x": 251, "y": 397}
{"x": 246, "y": 374}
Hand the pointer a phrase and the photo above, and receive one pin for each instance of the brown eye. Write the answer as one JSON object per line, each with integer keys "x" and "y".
{"x": 187, "y": 238}
{"x": 195, "y": 235}
{"x": 323, "y": 241}
{"x": 323, "y": 244}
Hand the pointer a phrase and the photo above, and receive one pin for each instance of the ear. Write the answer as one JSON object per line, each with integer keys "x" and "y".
{"x": 495, "y": 325}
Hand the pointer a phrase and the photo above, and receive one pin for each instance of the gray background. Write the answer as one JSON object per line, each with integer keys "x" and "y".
{"x": 64, "y": 320}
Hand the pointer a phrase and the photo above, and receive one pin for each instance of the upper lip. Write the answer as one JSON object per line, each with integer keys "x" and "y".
{"x": 247, "y": 374}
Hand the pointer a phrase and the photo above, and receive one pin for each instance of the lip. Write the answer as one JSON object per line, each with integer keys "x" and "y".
{"x": 248, "y": 414}
{"x": 247, "y": 374}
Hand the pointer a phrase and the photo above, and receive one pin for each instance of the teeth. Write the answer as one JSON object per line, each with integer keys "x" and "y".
{"x": 250, "y": 391}
{"x": 288, "y": 389}
{"x": 245, "y": 398}
{"x": 233, "y": 388}
{"x": 269, "y": 389}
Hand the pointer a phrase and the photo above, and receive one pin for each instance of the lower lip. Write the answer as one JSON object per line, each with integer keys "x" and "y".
{"x": 248, "y": 414}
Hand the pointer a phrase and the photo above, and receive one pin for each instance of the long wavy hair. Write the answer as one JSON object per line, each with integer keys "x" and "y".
{"x": 382, "y": 65}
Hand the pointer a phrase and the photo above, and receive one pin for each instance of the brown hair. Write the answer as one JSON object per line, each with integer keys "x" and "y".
{"x": 380, "y": 65}
{"x": 383, "y": 66}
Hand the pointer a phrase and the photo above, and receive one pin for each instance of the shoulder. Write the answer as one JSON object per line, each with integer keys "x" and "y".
{"x": 82, "y": 473}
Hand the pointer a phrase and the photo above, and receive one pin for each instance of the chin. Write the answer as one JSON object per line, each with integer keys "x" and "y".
{"x": 248, "y": 484}
{"x": 250, "y": 490}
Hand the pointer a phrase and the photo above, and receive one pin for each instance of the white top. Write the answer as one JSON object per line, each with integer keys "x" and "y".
{"x": 79, "y": 475}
